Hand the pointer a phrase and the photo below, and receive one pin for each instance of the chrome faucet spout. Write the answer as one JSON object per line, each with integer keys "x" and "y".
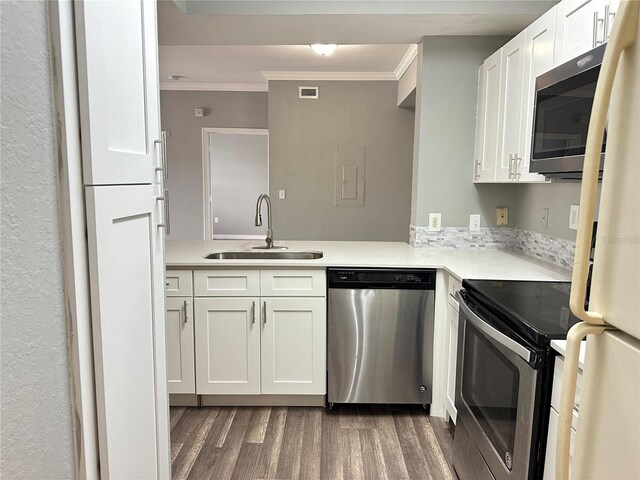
{"x": 258, "y": 219}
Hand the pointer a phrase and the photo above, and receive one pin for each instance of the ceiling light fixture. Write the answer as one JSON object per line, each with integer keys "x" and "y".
{"x": 324, "y": 49}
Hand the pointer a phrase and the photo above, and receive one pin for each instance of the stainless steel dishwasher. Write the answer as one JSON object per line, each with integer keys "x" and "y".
{"x": 380, "y": 338}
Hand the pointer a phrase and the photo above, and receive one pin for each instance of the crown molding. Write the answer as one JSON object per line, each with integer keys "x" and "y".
{"x": 409, "y": 57}
{"x": 216, "y": 87}
{"x": 333, "y": 76}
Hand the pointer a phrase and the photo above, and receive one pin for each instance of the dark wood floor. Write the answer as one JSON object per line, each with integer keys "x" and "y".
{"x": 308, "y": 443}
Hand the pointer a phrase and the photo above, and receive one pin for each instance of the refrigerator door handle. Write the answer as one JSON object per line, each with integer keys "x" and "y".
{"x": 567, "y": 398}
{"x": 623, "y": 36}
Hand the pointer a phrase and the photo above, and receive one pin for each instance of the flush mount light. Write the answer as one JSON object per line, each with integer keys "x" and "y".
{"x": 324, "y": 48}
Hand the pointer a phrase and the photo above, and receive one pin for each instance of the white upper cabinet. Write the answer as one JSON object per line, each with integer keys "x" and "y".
{"x": 119, "y": 94}
{"x": 538, "y": 56}
{"x": 580, "y": 26}
{"x": 510, "y": 129}
{"x": 489, "y": 114}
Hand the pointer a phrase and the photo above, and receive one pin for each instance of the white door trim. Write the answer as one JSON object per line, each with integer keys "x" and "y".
{"x": 207, "y": 232}
{"x": 74, "y": 241}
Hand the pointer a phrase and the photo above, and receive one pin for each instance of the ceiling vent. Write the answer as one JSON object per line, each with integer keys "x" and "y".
{"x": 308, "y": 92}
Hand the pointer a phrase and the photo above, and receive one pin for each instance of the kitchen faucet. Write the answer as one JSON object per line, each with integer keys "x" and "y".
{"x": 269, "y": 238}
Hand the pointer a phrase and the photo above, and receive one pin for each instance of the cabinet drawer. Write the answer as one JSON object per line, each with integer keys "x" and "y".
{"x": 292, "y": 283}
{"x": 557, "y": 389}
{"x": 178, "y": 283}
{"x": 226, "y": 283}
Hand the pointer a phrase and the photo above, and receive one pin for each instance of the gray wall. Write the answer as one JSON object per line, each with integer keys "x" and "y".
{"x": 303, "y": 136}
{"x": 444, "y": 137}
{"x": 184, "y": 147}
{"x": 35, "y": 401}
{"x": 557, "y": 197}
{"x": 239, "y": 174}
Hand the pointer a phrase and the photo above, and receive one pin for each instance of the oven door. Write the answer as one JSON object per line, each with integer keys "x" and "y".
{"x": 496, "y": 393}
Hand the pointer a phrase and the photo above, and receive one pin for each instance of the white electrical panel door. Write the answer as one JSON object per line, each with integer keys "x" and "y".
{"x": 227, "y": 343}
{"x": 294, "y": 346}
{"x": 510, "y": 127}
{"x": 181, "y": 374}
{"x": 126, "y": 267}
{"x": 539, "y": 43}
{"x": 119, "y": 92}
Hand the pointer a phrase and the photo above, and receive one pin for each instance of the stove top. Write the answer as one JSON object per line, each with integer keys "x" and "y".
{"x": 538, "y": 310}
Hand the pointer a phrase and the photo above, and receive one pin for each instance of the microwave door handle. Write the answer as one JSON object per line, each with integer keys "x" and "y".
{"x": 491, "y": 332}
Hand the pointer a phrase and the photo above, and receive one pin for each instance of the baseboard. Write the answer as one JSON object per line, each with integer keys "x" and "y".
{"x": 262, "y": 400}
{"x": 183, "y": 400}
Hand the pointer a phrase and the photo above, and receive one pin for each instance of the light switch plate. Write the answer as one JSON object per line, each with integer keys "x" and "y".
{"x": 544, "y": 218}
{"x": 502, "y": 216}
{"x": 215, "y": 219}
{"x": 474, "y": 222}
{"x": 435, "y": 222}
{"x": 282, "y": 194}
{"x": 574, "y": 214}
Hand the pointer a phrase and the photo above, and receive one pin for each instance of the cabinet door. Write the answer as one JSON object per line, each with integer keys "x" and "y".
{"x": 180, "y": 357}
{"x": 539, "y": 45}
{"x": 450, "y": 404}
{"x": 119, "y": 93}
{"x": 227, "y": 332}
{"x": 579, "y": 28}
{"x": 294, "y": 346}
{"x": 126, "y": 268}
{"x": 490, "y": 117}
{"x": 511, "y": 119}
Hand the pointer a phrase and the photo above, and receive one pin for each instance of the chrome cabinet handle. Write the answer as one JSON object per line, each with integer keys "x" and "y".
{"x": 264, "y": 312}
{"x": 476, "y": 174}
{"x": 518, "y": 162}
{"x": 167, "y": 219}
{"x": 496, "y": 335}
{"x": 510, "y": 166}
{"x": 609, "y": 16}
{"x": 253, "y": 313}
{"x": 163, "y": 154}
{"x": 596, "y": 21}
{"x": 186, "y": 314}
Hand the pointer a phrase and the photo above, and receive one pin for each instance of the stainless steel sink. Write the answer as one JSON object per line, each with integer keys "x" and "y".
{"x": 264, "y": 255}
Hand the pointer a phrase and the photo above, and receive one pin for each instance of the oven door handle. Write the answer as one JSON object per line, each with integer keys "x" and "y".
{"x": 496, "y": 335}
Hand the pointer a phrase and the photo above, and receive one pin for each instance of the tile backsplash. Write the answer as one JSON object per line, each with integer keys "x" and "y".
{"x": 554, "y": 250}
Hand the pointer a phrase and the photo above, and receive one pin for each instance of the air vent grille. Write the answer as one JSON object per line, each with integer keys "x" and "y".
{"x": 308, "y": 92}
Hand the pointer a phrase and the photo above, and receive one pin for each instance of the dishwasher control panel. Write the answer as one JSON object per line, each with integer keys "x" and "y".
{"x": 382, "y": 278}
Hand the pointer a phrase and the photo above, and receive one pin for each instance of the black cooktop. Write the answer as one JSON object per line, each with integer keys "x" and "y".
{"x": 538, "y": 310}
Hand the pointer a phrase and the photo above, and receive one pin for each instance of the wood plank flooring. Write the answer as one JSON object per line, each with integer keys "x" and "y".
{"x": 256, "y": 443}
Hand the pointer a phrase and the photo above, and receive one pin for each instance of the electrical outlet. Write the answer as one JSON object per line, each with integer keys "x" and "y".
{"x": 435, "y": 222}
{"x": 282, "y": 194}
{"x": 474, "y": 222}
{"x": 215, "y": 219}
{"x": 574, "y": 214}
{"x": 544, "y": 218}
{"x": 502, "y": 216}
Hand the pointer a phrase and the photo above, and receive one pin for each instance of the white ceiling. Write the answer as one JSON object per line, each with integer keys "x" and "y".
{"x": 236, "y": 41}
{"x": 242, "y": 65}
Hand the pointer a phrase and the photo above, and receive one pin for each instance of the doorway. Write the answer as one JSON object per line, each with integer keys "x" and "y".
{"x": 235, "y": 172}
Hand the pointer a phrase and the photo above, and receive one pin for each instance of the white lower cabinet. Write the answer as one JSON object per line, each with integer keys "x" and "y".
{"x": 270, "y": 343}
{"x": 227, "y": 340}
{"x": 453, "y": 285}
{"x": 293, "y": 346}
{"x": 179, "y": 337}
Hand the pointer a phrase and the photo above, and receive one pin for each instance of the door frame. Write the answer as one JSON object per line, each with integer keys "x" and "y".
{"x": 207, "y": 231}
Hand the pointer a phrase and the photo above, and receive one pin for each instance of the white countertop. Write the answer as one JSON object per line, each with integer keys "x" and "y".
{"x": 461, "y": 263}
{"x": 560, "y": 346}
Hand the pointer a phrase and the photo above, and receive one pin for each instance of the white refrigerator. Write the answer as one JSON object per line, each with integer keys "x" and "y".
{"x": 607, "y": 443}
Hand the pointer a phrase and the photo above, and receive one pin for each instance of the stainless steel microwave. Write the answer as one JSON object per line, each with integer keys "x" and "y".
{"x": 562, "y": 108}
